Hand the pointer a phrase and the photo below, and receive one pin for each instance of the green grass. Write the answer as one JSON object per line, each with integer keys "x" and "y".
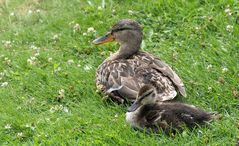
{"x": 199, "y": 39}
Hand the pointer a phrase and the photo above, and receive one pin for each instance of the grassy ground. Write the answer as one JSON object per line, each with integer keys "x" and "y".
{"x": 47, "y": 69}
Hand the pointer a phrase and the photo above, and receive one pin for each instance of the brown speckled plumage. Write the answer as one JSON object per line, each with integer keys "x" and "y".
{"x": 122, "y": 75}
{"x": 147, "y": 112}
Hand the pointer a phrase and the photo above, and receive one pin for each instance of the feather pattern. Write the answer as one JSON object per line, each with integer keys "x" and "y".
{"x": 147, "y": 112}
{"x": 136, "y": 71}
{"x": 168, "y": 116}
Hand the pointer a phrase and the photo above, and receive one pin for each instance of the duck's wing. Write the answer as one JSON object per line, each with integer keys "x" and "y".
{"x": 166, "y": 70}
{"x": 117, "y": 78}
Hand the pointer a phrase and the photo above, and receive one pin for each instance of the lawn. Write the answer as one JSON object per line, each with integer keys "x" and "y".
{"x": 48, "y": 64}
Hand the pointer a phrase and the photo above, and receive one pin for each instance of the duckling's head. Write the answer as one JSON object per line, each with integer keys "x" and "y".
{"x": 127, "y": 33}
{"x": 145, "y": 96}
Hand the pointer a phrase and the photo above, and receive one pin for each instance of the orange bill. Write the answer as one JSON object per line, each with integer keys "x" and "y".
{"x": 104, "y": 39}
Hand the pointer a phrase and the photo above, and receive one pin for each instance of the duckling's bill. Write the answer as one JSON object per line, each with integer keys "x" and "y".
{"x": 134, "y": 106}
{"x": 104, "y": 39}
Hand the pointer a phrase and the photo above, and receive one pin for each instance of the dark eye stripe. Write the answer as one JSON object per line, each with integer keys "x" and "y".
{"x": 146, "y": 95}
{"x": 121, "y": 29}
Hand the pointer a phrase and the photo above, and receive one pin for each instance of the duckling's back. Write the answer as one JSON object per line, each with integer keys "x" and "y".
{"x": 175, "y": 115}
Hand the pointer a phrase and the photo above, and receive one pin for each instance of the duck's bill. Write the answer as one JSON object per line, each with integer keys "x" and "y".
{"x": 104, "y": 39}
{"x": 134, "y": 106}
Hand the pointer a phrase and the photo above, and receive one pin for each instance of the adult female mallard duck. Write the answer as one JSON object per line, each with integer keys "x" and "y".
{"x": 146, "y": 112}
{"x": 123, "y": 74}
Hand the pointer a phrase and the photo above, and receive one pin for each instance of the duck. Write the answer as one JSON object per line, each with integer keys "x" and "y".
{"x": 147, "y": 112}
{"x": 125, "y": 72}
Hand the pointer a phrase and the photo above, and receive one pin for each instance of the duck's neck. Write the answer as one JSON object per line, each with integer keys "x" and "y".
{"x": 126, "y": 50}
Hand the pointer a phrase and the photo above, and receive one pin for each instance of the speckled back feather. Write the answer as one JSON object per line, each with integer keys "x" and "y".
{"x": 125, "y": 77}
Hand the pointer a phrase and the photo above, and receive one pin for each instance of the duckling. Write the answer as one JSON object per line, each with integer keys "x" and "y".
{"x": 123, "y": 74}
{"x": 147, "y": 112}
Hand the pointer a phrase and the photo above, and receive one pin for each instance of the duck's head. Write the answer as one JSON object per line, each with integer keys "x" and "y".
{"x": 127, "y": 33}
{"x": 145, "y": 96}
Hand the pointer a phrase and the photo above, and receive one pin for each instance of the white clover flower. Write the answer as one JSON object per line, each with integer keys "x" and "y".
{"x": 71, "y": 61}
{"x": 33, "y": 128}
{"x": 84, "y": 34}
{"x": 99, "y": 8}
{"x": 38, "y": 10}
{"x": 209, "y": 67}
{"x": 8, "y": 126}
{"x": 12, "y": 14}
{"x": 65, "y": 109}
{"x": 224, "y": 70}
{"x": 62, "y": 92}
{"x": 130, "y": 12}
{"x": 30, "y": 126}
{"x": 4, "y": 84}
{"x": 55, "y": 37}
{"x": 20, "y": 135}
{"x": 32, "y": 60}
{"x": 87, "y": 67}
{"x": 29, "y": 12}
{"x": 209, "y": 89}
{"x": 34, "y": 47}
{"x": 76, "y": 27}
{"x": 52, "y": 110}
{"x": 229, "y": 28}
{"x": 197, "y": 28}
{"x": 49, "y": 59}
{"x": 36, "y": 54}
{"x": 7, "y": 44}
{"x": 59, "y": 108}
{"x": 58, "y": 69}
{"x": 7, "y": 60}
{"x": 228, "y": 11}
{"x": 78, "y": 65}
{"x": 91, "y": 29}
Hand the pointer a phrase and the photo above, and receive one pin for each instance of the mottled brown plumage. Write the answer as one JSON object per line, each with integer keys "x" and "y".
{"x": 147, "y": 112}
{"x": 123, "y": 74}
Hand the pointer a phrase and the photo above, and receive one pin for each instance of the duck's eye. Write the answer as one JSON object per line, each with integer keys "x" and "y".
{"x": 121, "y": 29}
